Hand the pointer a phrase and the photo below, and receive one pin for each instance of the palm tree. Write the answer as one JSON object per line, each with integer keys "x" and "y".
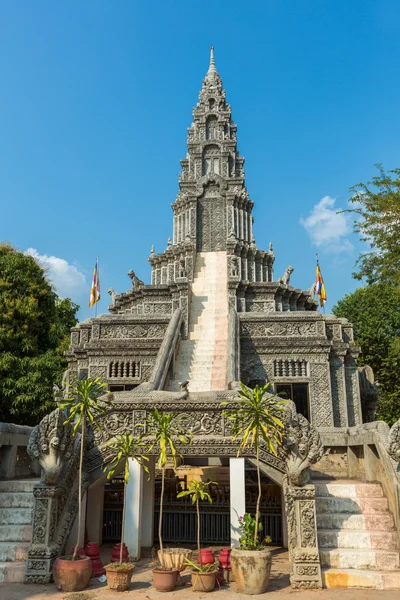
{"x": 82, "y": 401}
{"x": 167, "y": 428}
{"x": 197, "y": 491}
{"x": 123, "y": 447}
{"x": 256, "y": 418}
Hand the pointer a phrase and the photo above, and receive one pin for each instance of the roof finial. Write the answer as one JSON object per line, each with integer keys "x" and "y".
{"x": 211, "y": 69}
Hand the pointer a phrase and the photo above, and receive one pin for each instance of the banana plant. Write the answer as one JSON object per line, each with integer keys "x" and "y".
{"x": 84, "y": 400}
{"x": 123, "y": 447}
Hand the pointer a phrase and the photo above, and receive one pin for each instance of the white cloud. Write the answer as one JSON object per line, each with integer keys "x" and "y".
{"x": 67, "y": 280}
{"x": 327, "y": 229}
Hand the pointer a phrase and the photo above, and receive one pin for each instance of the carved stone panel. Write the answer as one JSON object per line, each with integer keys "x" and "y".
{"x": 320, "y": 395}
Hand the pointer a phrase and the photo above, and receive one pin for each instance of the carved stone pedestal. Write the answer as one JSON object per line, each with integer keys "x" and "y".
{"x": 43, "y": 551}
{"x": 303, "y": 542}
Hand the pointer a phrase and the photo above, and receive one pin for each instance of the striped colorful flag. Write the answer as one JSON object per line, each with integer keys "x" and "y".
{"x": 320, "y": 286}
{"x": 95, "y": 289}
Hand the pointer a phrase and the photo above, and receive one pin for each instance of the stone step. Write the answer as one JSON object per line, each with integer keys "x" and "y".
{"x": 349, "y": 490}
{"x": 20, "y": 516}
{"x": 15, "y": 533}
{"x": 18, "y": 485}
{"x": 351, "y": 505}
{"x": 13, "y": 551}
{"x": 354, "y": 578}
{"x": 350, "y": 558}
{"x": 12, "y": 572}
{"x": 383, "y": 540}
{"x": 16, "y": 500}
{"x": 341, "y": 521}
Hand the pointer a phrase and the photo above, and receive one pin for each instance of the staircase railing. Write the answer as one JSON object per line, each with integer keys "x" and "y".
{"x": 14, "y": 460}
{"x": 233, "y": 360}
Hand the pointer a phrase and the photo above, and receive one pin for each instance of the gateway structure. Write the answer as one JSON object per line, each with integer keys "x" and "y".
{"x": 214, "y": 315}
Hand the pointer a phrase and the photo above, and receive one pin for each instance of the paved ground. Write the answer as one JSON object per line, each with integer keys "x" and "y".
{"x": 141, "y": 589}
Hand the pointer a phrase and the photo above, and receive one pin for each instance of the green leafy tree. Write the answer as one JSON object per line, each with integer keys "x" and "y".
{"x": 34, "y": 332}
{"x": 82, "y": 403}
{"x": 377, "y": 206}
{"x": 257, "y": 418}
{"x": 197, "y": 490}
{"x": 166, "y": 429}
{"x": 124, "y": 447}
{"x": 374, "y": 312}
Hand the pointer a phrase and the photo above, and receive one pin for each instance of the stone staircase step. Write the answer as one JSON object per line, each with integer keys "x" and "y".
{"x": 384, "y": 540}
{"x": 354, "y": 578}
{"x": 16, "y": 516}
{"x": 16, "y": 500}
{"x": 13, "y": 551}
{"x": 331, "y": 504}
{"x": 365, "y": 521}
{"x": 18, "y": 485}
{"x": 342, "y": 558}
{"x": 15, "y": 533}
{"x": 349, "y": 490}
{"x": 12, "y": 572}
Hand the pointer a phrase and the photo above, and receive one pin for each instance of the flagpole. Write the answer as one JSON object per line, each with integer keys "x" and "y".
{"x": 97, "y": 269}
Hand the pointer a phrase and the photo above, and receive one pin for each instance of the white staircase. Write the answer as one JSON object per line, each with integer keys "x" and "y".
{"x": 202, "y": 358}
{"x": 16, "y": 504}
{"x": 357, "y": 540}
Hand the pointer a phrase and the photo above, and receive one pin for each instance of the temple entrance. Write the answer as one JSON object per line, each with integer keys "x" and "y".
{"x": 179, "y": 515}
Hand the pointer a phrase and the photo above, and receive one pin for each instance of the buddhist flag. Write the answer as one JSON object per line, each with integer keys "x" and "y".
{"x": 95, "y": 289}
{"x": 320, "y": 286}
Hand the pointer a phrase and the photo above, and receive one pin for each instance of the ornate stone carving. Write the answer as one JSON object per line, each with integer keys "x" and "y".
{"x": 51, "y": 444}
{"x": 301, "y": 446}
{"x": 394, "y": 442}
{"x": 279, "y": 329}
{"x": 285, "y": 279}
{"x": 136, "y": 282}
{"x": 132, "y": 331}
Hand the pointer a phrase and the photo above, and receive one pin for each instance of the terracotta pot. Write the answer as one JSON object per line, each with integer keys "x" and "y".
{"x": 119, "y": 579}
{"x": 207, "y": 557}
{"x": 72, "y": 575}
{"x": 204, "y": 582}
{"x": 164, "y": 581}
{"x": 174, "y": 558}
{"x": 92, "y": 550}
{"x": 251, "y": 569}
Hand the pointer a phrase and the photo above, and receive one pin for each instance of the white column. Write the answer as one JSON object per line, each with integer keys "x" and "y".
{"x": 133, "y": 515}
{"x": 237, "y": 497}
{"x": 147, "y": 536}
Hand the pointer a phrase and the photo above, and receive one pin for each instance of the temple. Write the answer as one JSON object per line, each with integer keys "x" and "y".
{"x": 213, "y": 315}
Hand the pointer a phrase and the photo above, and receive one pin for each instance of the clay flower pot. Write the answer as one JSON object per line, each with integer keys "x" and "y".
{"x": 204, "y": 582}
{"x": 72, "y": 575}
{"x": 251, "y": 569}
{"x": 119, "y": 576}
{"x": 165, "y": 580}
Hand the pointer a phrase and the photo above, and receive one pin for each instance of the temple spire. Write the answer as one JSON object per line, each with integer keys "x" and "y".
{"x": 212, "y": 72}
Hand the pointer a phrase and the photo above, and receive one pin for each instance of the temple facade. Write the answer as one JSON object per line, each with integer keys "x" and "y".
{"x": 213, "y": 315}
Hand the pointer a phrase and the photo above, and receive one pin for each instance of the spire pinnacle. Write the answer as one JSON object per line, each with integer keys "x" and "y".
{"x": 212, "y": 71}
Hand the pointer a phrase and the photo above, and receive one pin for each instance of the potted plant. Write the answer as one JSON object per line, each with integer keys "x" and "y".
{"x": 166, "y": 429}
{"x": 81, "y": 402}
{"x": 123, "y": 447}
{"x": 255, "y": 418}
{"x": 203, "y": 575}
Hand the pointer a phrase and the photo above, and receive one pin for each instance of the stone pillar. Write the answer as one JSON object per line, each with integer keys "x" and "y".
{"x": 134, "y": 513}
{"x": 237, "y": 497}
{"x": 352, "y": 392}
{"x": 147, "y": 537}
{"x": 338, "y": 386}
{"x": 302, "y": 536}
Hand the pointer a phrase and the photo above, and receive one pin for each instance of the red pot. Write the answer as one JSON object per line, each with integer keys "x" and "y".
{"x": 92, "y": 550}
{"x": 207, "y": 557}
{"x": 225, "y": 558}
{"x": 115, "y": 553}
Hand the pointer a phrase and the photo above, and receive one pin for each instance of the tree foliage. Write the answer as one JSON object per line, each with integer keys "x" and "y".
{"x": 377, "y": 206}
{"x": 34, "y": 332}
{"x": 374, "y": 312}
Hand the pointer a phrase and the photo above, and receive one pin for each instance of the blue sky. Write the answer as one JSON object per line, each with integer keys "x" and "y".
{"x": 95, "y": 102}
